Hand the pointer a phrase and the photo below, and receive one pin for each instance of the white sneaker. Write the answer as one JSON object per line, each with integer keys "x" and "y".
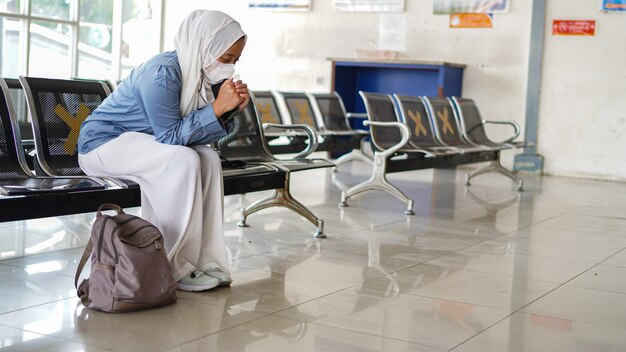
{"x": 197, "y": 281}
{"x": 217, "y": 273}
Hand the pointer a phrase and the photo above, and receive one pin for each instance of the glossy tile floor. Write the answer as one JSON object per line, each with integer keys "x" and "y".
{"x": 476, "y": 269}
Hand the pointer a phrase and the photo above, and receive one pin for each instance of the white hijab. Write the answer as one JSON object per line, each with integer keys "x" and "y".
{"x": 202, "y": 38}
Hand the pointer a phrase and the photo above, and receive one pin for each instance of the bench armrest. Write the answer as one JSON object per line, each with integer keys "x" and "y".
{"x": 516, "y": 128}
{"x": 312, "y": 136}
{"x": 404, "y": 131}
{"x": 360, "y": 115}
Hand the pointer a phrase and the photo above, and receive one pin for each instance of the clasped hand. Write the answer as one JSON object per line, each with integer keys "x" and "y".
{"x": 232, "y": 94}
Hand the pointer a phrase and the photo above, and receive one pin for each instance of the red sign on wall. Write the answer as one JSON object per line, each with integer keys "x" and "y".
{"x": 574, "y": 27}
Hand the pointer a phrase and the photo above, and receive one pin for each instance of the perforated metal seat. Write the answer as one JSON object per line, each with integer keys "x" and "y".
{"x": 423, "y": 136}
{"x": 245, "y": 141}
{"x": 280, "y": 140}
{"x": 300, "y": 110}
{"x": 332, "y": 115}
{"x": 58, "y": 108}
{"x": 15, "y": 176}
{"x": 473, "y": 129}
{"x": 474, "y": 126}
{"x": 446, "y": 127}
{"x": 333, "y": 118}
{"x": 20, "y": 107}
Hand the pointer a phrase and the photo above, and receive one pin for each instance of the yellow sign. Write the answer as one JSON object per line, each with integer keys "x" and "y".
{"x": 303, "y": 112}
{"x": 417, "y": 119}
{"x": 443, "y": 116}
{"x": 74, "y": 124}
{"x": 266, "y": 113}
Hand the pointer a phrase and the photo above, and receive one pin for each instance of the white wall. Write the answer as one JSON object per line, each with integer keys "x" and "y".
{"x": 289, "y": 51}
{"x": 582, "y": 127}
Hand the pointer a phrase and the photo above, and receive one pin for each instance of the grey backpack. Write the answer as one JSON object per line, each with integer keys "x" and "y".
{"x": 129, "y": 266}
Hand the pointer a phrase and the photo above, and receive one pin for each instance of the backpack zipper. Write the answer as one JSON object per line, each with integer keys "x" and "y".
{"x": 139, "y": 229}
{"x": 115, "y": 229}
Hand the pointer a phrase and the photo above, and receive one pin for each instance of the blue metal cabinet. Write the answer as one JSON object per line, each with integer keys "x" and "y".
{"x": 349, "y": 76}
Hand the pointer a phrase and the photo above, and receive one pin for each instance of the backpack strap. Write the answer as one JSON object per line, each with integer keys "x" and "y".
{"x": 89, "y": 247}
{"x": 110, "y": 206}
{"x": 82, "y": 262}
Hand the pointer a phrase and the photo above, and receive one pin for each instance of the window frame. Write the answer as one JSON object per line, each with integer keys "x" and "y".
{"x": 25, "y": 15}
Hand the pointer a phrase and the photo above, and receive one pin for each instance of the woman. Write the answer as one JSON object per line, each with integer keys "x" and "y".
{"x": 154, "y": 129}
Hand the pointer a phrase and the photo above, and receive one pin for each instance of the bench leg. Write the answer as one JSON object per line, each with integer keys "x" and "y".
{"x": 355, "y": 154}
{"x": 378, "y": 181}
{"x": 495, "y": 166}
{"x": 283, "y": 198}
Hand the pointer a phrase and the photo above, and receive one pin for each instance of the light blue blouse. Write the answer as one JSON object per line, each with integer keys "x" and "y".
{"x": 148, "y": 101}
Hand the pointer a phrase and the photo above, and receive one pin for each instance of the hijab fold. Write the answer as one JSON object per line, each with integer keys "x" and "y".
{"x": 201, "y": 39}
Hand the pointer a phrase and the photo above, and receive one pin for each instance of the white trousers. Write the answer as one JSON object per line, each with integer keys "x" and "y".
{"x": 181, "y": 193}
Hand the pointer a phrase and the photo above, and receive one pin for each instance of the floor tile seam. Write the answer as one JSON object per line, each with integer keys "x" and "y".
{"x": 59, "y": 338}
{"x": 276, "y": 314}
{"x": 531, "y": 302}
{"x": 518, "y": 312}
{"x": 215, "y": 332}
{"x": 611, "y": 256}
{"x": 574, "y": 320}
{"x": 595, "y": 202}
{"x": 540, "y": 221}
{"x": 52, "y": 336}
{"x": 425, "y": 261}
{"x": 454, "y": 251}
{"x": 534, "y": 256}
{"x": 567, "y": 259}
{"x": 273, "y": 251}
{"x": 268, "y": 252}
{"x": 482, "y": 331}
{"x": 39, "y": 254}
{"x": 365, "y": 333}
{"x": 265, "y": 315}
{"x": 576, "y": 261}
{"x": 366, "y": 228}
{"x": 36, "y": 305}
{"x": 441, "y": 299}
{"x": 7, "y": 266}
{"x": 614, "y": 265}
{"x": 300, "y": 277}
{"x": 594, "y": 262}
{"x": 363, "y": 228}
{"x": 602, "y": 216}
{"x": 311, "y": 300}
{"x": 514, "y": 231}
{"x": 69, "y": 276}
{"x": 598, "y": 289}
{"x": 501, "y": 275}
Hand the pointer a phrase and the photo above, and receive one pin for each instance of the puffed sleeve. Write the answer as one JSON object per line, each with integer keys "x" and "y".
{"x": 157, "y": 91}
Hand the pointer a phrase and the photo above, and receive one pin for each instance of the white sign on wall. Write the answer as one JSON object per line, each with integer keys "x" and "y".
{"x": 392, "y": 32}
{"x": 281, "y": 5}
{"x": 469, "y": 6}
{"x": 370, "y": 5}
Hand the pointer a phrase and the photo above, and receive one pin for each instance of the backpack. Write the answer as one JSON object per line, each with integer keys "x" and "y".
{"x": 129, "y": 267}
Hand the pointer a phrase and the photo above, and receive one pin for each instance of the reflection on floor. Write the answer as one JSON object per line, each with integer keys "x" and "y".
{"x": 478, "y": 269}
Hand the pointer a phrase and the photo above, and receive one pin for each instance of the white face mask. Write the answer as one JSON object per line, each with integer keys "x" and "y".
{"x": 218, "y": 72}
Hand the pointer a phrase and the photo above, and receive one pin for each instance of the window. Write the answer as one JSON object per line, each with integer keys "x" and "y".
{"x": 97, "y": 39}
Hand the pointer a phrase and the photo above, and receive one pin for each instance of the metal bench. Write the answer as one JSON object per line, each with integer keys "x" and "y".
{"x": 58, "y": 107}
{"x": 427, "y": 137}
